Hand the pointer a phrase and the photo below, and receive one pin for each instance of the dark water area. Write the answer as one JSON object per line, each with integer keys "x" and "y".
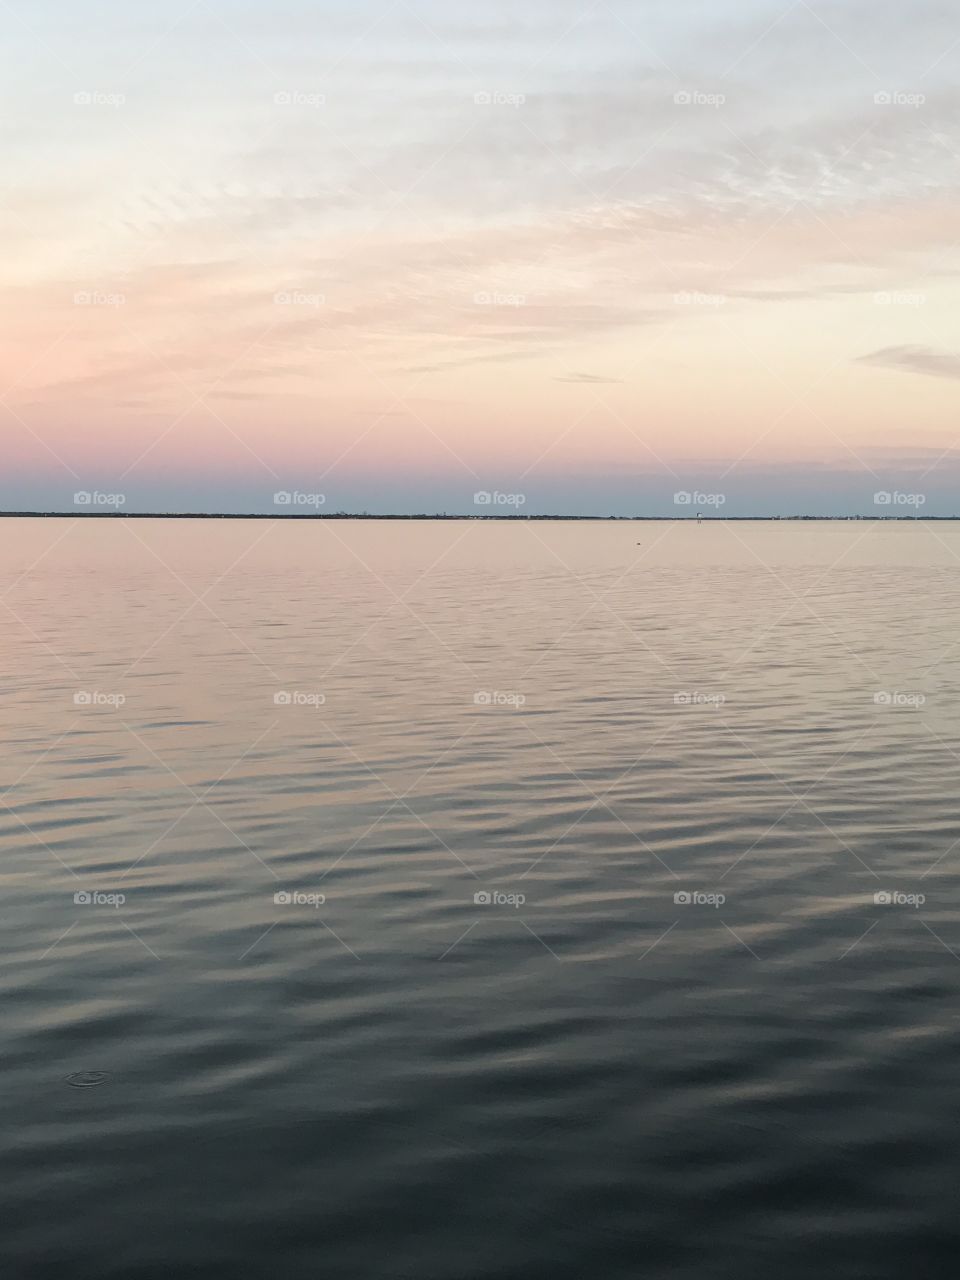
{"x": 476, "y": 900}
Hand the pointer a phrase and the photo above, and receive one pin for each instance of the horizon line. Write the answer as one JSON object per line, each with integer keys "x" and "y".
{"x": 439, "y": 515}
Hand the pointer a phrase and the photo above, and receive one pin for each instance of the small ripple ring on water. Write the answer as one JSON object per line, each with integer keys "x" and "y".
{"x": 87, "y": 1079}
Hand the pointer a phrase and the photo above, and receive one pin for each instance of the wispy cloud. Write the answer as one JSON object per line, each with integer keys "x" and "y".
{"x": 916, "y": 359}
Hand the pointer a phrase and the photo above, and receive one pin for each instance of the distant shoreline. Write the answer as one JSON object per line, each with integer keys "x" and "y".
{"x": 510, "y": 519}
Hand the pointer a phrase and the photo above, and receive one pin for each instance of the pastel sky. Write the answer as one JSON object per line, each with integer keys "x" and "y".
{"x": 397, "y": 252}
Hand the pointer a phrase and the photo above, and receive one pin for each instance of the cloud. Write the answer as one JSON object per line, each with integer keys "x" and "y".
{"x": 916, "y": 359}
{"x": 589, "y": 378}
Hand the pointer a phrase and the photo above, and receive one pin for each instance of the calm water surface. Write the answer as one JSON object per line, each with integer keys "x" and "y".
{"x": 257, "y": 1021}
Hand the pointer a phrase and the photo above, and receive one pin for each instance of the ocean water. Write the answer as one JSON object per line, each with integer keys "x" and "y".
{"x": 442, "y": 900}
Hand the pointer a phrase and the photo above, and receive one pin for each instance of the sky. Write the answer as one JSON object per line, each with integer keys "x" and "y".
{"x": 633, "y": 257}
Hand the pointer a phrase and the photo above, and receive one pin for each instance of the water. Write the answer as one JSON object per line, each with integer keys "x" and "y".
{"x": 402, "y": 1081}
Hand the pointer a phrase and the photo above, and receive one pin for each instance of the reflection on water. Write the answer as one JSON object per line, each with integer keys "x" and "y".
{"x": 473, "y": 899}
